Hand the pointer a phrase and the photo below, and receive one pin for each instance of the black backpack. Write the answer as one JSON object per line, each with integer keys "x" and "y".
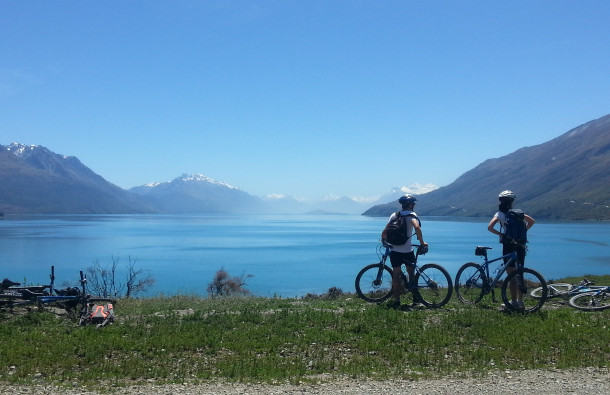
{"x": 397, "y": 231}
{"x": 516, "y": 228}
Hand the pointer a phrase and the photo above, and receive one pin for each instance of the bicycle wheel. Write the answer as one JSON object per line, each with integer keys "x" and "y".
{"x": 554, "y": 290}
{"x": 470, "y": 283}
{"x": 526, "y": 279}
{"x": 434, "y": 285}
{"x": 374, "y": 283}
{"x": 591, "y": 301}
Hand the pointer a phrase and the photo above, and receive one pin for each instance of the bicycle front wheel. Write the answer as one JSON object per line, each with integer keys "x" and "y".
{"x": 591, "y": 301}
{"x": 434, "y": 285}
{"x": 374, "y": 283}
{"x": 554, "y": 290}
{"x": 470, "y": 283}
{"x": 525, "y": 279}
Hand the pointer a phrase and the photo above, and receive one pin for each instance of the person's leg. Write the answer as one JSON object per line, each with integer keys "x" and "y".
{"x": 396, "y": 283}
{"x": 396, "y": 261}
{"x": 409, "y": 260}
{"x": 521, "y": 257}
{"x": 513, "y": 287}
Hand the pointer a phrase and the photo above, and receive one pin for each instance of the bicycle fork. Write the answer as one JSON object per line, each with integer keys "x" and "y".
{"x": 377, "y": 282}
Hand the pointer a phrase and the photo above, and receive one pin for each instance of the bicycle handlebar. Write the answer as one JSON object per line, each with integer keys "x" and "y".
{"x": 421, "y": 250}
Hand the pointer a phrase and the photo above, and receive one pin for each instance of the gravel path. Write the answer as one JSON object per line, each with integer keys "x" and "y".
{"x": 578, "y": 381}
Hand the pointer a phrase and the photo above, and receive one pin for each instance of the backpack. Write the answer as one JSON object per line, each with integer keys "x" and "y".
{"x": 397, "y": 231}
{"x": 516, "y": 228}
{"x": 100, "y": 315}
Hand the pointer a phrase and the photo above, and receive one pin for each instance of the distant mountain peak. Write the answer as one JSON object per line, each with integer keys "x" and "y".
{"x": 23, "y": 150}
{"x": 37, "y": 180}
{"x": 186, "y": 178}
{"x": 19, "y": 149}
{"x": 418, "y": 189}
{"x": 201, "y": 178}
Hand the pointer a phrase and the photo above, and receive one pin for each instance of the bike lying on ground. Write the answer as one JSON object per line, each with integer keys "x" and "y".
{"x": 14, "y": 294}
{"x": 565, "y": 290}
{"x": 431, "y": 284}
{"x": 72, "y": 299}
{"x": 473, "y": 281}
{"x": 596, "y": 300}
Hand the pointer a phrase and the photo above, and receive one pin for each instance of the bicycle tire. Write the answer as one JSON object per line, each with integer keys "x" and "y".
{"x": 531, "y": 279}
{"x": 591, "y": 301}
{"x": 470, "y": 283}
{"x": 367, "y": 286}
{"x": 434, "y": 285}
{"x": 555, "y": 290}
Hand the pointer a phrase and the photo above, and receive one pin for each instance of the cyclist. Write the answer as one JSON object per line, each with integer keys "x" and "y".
{"x": 507, "y": 199}
{"x": 403, "y": 253}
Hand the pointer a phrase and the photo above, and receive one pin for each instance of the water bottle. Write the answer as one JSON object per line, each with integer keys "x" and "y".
{"x": 498, "y": 269}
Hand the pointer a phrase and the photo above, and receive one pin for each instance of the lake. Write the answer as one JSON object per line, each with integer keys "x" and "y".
{"x": 288, "y": 255}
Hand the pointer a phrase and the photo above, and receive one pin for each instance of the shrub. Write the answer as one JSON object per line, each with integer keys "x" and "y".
{"x": 225, "y": 285}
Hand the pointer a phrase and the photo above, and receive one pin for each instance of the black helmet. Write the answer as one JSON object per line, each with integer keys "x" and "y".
{"x": 407, "y": 199}
{"x": 506, "y": 195}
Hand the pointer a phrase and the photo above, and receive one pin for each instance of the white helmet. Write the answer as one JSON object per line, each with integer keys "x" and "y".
{"x": 506, "y": 195}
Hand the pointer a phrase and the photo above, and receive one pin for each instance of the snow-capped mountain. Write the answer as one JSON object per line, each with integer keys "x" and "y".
{"x": 36, "y": 180}
{"x": 565, "y": 178}
{"x": 197, "y": 193}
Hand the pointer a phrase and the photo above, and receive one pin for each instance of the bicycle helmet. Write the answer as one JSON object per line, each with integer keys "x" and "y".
{"x": 407, "y": 199}
{"x": 506, "y": 195}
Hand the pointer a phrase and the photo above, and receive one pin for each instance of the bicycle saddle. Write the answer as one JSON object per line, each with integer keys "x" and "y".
{"x": 481, "y": 251}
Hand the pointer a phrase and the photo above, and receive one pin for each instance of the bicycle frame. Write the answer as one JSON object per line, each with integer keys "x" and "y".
{"x": 512, "y": 257}
{"x": 416, "y": 270}
{"x": 582, "y": 287}
{"x": 386, "y": 255}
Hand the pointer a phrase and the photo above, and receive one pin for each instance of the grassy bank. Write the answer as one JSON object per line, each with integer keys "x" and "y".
{"x": 274, "y": 340}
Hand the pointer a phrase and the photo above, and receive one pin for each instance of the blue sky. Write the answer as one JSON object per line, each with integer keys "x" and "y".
{"x": 306, "y": 98}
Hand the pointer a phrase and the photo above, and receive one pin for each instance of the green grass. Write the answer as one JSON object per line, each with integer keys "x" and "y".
{"x": 275, "y": 340}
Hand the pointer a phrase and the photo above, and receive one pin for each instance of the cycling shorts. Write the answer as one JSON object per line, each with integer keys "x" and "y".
{"x": 399, "y": 258}
{"x": 521, "y": 252}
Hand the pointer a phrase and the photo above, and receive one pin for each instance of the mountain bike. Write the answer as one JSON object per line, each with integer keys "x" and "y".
{"x": 72, "y": 299}
{"x": 565, "y": 290}
{"x": 13, "y": 293}
{"x": 431, "y": 284}
{"x": 592, "y": 301}
{"x": 473, "y": 281}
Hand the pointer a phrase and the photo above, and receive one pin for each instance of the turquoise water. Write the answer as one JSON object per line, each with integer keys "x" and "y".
{"x": 287, "y": 255}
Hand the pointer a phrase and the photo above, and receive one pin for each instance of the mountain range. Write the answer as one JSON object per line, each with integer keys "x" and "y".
{"x": 36, "y": 180}
{"x": 565, "y": 178}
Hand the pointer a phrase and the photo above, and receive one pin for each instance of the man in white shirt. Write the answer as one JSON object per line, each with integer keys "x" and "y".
{"x": 403, "y": 253}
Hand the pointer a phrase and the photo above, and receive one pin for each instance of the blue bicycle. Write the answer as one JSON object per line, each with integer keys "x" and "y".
{"x": 431, "y": 284}
{"x": 473, "y": 282}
